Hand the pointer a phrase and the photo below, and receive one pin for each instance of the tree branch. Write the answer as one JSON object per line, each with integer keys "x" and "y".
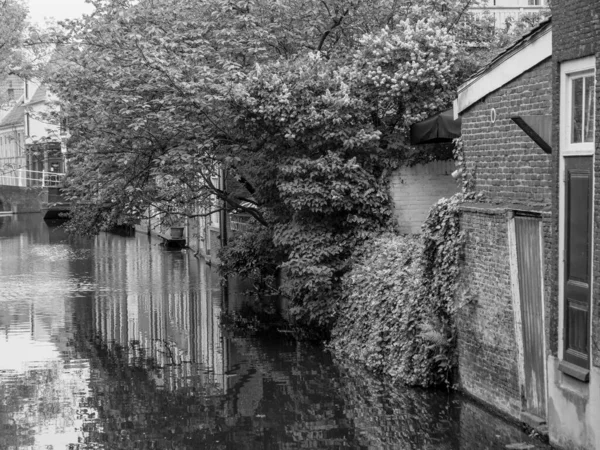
{"x": 336, "y": 23}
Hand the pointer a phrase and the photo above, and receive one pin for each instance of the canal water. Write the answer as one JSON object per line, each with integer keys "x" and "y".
{"x": 114, "y": 343}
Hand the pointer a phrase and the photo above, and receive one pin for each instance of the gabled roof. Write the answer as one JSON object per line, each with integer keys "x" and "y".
{"x": 39, "y": 95}
{"x": 530, "y": 50}
{"x": 15, "y": 117}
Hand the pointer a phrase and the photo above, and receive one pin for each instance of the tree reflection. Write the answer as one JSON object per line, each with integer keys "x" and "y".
{"x": 280, "y": 395}
{"x": 127, "y": 352}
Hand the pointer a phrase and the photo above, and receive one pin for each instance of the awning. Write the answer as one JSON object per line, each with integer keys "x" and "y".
{"x": 440, "y": 128}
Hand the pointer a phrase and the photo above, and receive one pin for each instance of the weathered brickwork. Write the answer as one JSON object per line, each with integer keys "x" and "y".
{"x": 487, "y": 346}
{"x": 550, "y": 233}
{"x": 576, "y": 34}
{"x": 513, "y": 173}
{"x": 416, "y": 189}
{"x": 507, "y": 165}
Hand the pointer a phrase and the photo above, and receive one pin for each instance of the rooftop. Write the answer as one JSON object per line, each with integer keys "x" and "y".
{"x": 528, "y": 51}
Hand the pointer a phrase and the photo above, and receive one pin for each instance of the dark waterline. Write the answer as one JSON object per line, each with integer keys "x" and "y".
{"x": 114, "y": 343}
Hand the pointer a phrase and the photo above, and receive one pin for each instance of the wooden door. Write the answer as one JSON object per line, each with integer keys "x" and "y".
{"x": 577, "y": 259}
{"x": 529, "y": 261}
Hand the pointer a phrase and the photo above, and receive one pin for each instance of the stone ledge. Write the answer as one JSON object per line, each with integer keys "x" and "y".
{"x": 579, "y": 373}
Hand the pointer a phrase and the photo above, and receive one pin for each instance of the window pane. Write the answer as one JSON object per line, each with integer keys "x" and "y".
{"x": 589, "y": 110}
{"x": 577, "y": 110}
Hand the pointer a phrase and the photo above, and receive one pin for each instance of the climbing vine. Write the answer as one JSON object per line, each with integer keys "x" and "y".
{"x": 466, "y": 177}
{"x": 400, "y": 299}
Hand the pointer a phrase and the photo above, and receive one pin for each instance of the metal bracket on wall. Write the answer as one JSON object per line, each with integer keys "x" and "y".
{"x": 538, "y": 128}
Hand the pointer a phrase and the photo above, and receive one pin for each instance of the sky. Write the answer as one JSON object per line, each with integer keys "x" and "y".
{"x": 57, "y": 9}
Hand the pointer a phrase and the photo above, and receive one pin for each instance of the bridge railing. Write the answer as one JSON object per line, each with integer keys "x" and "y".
{"x": 31, "y": 178}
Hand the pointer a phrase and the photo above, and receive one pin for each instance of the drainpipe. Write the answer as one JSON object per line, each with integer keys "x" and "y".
{"x": 223, "y": 221}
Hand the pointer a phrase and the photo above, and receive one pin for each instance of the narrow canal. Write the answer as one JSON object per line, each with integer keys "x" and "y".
{"x": 114, "y": 343}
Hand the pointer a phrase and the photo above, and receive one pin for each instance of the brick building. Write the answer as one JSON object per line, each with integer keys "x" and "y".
{"x": 502, "y": 338}
{"x": 529, "y": 342}
{"x": 574, "y": 326}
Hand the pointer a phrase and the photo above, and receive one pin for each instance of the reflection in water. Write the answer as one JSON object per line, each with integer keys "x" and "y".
{"x": 114, "y": 343}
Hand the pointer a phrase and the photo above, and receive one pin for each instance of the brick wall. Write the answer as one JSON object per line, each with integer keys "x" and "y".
{"x": 487, "y": 347}
{"x": 415, "y": 189}
{"x": 508, "y": 166}
{"x": 513, "y": 173}
{"x": 576, "y": 34}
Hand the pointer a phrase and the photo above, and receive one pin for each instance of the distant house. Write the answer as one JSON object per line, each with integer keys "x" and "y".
{"x": 12, "y": 146}
{"x": 30, "y": 146}
{"x": 502, "y": 340}
{"x": 11, "y": 89}
{"x": 43, "y": 139}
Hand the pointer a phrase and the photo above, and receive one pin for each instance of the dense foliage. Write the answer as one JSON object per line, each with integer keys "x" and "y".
{"x": 306, "y": 103}
{"x": 13, "y": 14}
{"x": 399, "y": 300}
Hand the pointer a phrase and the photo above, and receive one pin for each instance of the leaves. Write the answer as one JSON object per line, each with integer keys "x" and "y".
{"x": 13, "y": 14}
{"x": 306, "y": 104}
{"x": 396, "y": 314}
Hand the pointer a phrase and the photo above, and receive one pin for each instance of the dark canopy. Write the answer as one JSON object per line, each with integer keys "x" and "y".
{"x": 440, "y": 128}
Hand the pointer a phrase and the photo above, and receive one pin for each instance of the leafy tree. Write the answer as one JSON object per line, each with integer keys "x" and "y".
{"x": 13, "y": 16}
{"x": 305, "y": 102}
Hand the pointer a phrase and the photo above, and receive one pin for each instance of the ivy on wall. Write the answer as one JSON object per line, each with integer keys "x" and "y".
{"x": 399, "y": 301}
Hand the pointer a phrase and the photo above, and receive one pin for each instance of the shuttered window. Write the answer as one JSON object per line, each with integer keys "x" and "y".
{"x": 577, "y": 125}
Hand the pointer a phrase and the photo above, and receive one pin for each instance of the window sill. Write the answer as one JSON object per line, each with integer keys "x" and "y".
{"x": 574, "y": 371}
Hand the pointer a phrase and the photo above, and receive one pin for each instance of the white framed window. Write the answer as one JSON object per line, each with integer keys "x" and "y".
{"x": 215, "y": 217}
{"x": 577, "y": 114}
{"x": 576, "y": 214}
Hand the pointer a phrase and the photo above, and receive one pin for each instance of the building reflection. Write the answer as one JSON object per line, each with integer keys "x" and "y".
{"x": 114, "y": 343}
{"x": 160, "y": 303}
{"x": 42, "y": 382}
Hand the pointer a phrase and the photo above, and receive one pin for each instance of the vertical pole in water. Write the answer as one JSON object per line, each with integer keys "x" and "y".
{"x": 223, "y": 230}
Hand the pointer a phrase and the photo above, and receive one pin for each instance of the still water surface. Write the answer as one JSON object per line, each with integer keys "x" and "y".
{"x": 114, "y": 343}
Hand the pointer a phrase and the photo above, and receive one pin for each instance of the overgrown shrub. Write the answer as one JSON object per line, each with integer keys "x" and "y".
{"x": 398, "y": 301}
{"x": 252, "y": 255}
{"x": 335, "y": 203}
{"x": 443, "y": 244}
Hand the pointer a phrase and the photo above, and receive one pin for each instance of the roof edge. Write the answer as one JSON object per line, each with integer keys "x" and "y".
{"x": 526, "y": 53}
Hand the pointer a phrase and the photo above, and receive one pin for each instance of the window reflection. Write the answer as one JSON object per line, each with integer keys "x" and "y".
{"x": 582, "y": 109}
